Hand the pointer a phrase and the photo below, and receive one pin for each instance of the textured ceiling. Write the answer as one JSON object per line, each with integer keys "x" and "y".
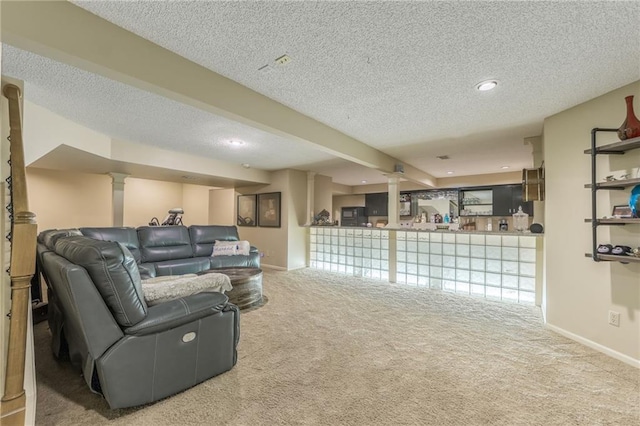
{"x": 398, "y": 76}
{"x": 97, "y": 103}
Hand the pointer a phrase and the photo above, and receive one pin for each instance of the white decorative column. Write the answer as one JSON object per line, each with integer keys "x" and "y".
{"x": 117, "y": 196}
{"x": 538, "y": 159}
{"x": 310, "y": 196}
{"x": 394, "y": 200}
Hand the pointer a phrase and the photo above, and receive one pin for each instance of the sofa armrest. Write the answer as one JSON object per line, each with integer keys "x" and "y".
{"x": 177, "y": 312}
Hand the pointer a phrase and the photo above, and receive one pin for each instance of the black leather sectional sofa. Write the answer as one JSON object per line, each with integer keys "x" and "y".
{"x": 128, "y": 352}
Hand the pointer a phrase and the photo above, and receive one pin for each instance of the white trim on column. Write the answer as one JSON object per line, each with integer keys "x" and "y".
{"x": 311, "y": 182}
{"x": 394, "y": 200}
{"x": 117, "y": 197}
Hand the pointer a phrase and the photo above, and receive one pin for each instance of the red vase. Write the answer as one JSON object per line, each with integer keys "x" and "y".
{"x": 631, "y": 126}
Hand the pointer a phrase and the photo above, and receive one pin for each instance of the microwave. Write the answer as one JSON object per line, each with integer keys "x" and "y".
{"x": 353, "y": 216}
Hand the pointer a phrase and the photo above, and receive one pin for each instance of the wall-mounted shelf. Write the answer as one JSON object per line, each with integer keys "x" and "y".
{"x": 615, "y": 184}
{"x": 615, "y": 258}
{"x": 615, "y": 148}
{"x": 615, "y": 221}
{"x": 619, "y": 147}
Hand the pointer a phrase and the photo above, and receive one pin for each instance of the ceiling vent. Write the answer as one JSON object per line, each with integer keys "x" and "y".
{"x": 443, "y": 157}
{"x": 398, "y": 168}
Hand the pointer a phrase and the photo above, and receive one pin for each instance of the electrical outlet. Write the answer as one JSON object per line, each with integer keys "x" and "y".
{"x": 614, "y": 318}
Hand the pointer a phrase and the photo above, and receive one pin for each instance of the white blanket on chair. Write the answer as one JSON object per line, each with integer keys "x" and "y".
{"x": 161, "y": 289}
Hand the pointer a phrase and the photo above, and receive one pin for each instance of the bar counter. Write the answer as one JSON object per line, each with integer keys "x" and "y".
{"x": 500, "y": 265}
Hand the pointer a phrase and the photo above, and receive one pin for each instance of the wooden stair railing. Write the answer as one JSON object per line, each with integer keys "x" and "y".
{"x": 22, "y": 267}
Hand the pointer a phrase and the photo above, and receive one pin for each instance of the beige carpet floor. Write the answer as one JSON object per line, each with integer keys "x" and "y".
{"x": 334, "y": 350}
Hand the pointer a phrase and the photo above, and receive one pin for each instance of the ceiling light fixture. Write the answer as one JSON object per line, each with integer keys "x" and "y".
{"x": 483, "y": 86}
{"x": 505, "y": 167}
{"x": 450, "y": 172}
{"x": 235, "y": 142}
{"x": 364, "y": 181}
{"x": 246, "y": 165}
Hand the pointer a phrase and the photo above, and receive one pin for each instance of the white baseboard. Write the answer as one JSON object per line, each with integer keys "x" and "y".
{"x": 597, "y": 346}
{"x": 278, "y": 268}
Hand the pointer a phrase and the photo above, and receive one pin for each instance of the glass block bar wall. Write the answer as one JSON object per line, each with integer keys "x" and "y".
{"x": 501, "y": 267}
{"x": 356, "y": 251}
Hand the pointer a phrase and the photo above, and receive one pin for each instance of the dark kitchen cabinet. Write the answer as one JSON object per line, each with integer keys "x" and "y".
{"x": 507, "y": 199}
{"x": 376, "y": 204}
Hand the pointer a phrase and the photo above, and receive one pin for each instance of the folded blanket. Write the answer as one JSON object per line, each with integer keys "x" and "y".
{"x": 161, "y": 289}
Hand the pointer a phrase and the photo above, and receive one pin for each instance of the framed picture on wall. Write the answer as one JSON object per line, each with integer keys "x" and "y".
{"x": 246, "y": 210}
{"x": 269, "y": 209}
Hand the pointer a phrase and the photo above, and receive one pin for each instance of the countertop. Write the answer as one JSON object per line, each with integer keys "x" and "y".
{"x": 404, "y": 228}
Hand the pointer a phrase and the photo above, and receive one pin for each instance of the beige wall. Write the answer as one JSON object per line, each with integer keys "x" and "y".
{"x": 145, "y": 199}
{"x": 67, "y": 199}
{"x": 195, "y": 202}
{"x": 284, "y": 247}
{"x": 222, "y": 207}
{"x": 579, "y": 291}
{"x": 63, "y": 199}
{"x": 272, "y": 242}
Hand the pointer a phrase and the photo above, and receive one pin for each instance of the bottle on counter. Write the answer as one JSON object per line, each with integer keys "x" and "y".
{"x": 503, "y": 225}
{"x": 520, "y": 220}
{"x": 489, "y": 225}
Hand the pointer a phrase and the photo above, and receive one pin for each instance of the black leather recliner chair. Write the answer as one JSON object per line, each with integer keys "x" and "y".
{"x": 128, "y": 352}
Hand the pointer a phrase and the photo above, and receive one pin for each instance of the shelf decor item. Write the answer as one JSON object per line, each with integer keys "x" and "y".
{"x": 634, "y": 201}
{"x": 631, "y": 126}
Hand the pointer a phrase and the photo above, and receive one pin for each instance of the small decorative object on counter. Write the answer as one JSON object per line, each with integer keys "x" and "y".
{"x": 323, "y": 219}
{"x": 634, "y": 201}
{"x": 520, "y": 220}
{"x": 536, "y": 228}
{"x": 503, "y": 225}
{"x": 631, "y": 126}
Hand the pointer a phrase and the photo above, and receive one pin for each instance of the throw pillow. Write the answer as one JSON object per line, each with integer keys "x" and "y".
{"x": 231, "y": 248}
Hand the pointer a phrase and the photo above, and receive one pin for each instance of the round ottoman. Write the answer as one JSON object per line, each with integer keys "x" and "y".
{"x": 247, "y": 286}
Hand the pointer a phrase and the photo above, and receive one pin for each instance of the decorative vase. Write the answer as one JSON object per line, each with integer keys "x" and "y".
{"x": 634, "y": 201}
{"x": 631, "y": 126}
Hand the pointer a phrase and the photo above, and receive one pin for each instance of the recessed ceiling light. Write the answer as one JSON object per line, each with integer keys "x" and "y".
{"x": 235, "y": 142}
{"x": 246, "y": 165}
{"x": 483, "y": 86}
{"x": 364, "y": 181}
{"x": 505, "y": 167}
{"x": 450, "y": 172}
